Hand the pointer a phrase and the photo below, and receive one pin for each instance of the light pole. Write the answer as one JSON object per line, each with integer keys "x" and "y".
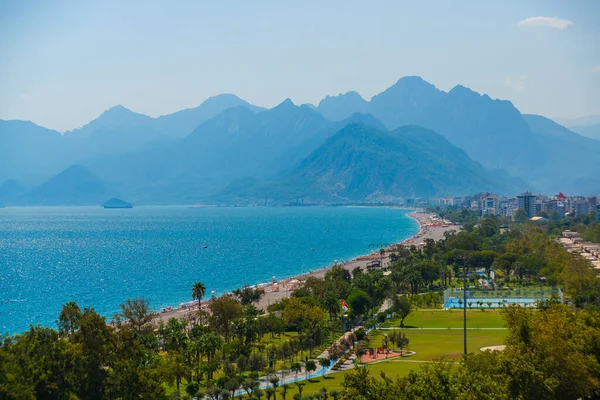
{"x": 465, "y": 302}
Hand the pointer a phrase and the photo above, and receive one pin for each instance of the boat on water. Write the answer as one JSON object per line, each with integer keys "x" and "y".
{"x": 116, "y": 203}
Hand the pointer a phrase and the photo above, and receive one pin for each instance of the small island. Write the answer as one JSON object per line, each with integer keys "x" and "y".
{"x": 116, "y": 203}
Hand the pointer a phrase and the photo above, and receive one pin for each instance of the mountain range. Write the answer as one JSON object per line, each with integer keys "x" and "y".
{"x": 492, "y": 132}
{"x": 588, "y": 126}
{"x": 363, "y": 163}
{"x": 411, "y": 140}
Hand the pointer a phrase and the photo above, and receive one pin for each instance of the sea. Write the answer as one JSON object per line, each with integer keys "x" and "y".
{"x": 99, "y": 257}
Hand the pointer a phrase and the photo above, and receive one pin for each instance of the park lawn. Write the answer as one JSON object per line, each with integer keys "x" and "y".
{"x": 429, "y": 345}
{"x": 329, "y": 382}
{"x": 437, "y": 318}
{"x": 443, "y": 344}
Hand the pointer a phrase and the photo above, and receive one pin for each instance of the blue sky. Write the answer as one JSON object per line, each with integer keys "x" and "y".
{"x": 64, "y": 62}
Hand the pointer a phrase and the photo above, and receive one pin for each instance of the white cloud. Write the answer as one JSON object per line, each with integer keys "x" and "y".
{"x": 547, "y": 22}
{"x": 516, "y": 84}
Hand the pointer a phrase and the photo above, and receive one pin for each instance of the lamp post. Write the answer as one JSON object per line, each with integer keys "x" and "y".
{"x": 465, "y": 301}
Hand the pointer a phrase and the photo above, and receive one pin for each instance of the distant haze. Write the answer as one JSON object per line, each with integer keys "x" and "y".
{"x": 64, "y": 62}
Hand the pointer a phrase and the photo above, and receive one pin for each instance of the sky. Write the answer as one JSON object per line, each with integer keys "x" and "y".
{"x": 62, "y": 63}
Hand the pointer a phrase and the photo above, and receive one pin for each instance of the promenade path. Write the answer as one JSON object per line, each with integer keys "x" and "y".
{"x": 302, "y": 376}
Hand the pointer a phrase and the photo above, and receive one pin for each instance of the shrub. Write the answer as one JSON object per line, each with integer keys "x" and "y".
{"x": 360, "y": 334}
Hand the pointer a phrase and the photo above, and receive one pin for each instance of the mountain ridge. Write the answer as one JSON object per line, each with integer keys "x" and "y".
{"x": 360, "y": 162}
{"x": 161, "y": 161}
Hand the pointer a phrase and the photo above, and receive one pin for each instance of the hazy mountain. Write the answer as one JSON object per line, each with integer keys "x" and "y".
{"x": 74, "y": 186}
{"x": 227, "y": 145}
{"x": 28, "y": 149}
{"x": 591, "y": 131}
{"x": 117, "y": 130}
{"x": 364, "y": 119}
{"x": 580, "y": 121}
{"x": 360, "y": 162}
{"x": 492, "y": 132}
{"x": 406, "y": 102}
{"x": 117, "y": 117}
{"x": 30, "y": 152}
{"x": 242, "y": 143}
{"x": 10, "y": 191}
{"x": 342, "y": 106}
{"x": 573, "y": 161}
{"x": 234, "y": 144}
{"x": 182, "y": 123}
{"x": 309, "y": 105}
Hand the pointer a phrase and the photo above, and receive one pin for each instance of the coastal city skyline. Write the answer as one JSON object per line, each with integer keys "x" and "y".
{"x": 533, "y": 204}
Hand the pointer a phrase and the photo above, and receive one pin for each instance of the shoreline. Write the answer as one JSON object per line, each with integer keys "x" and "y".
{"x": 430, "y": 227}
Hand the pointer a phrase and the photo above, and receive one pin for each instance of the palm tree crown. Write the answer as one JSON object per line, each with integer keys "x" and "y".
{"x": 198, "y": 291}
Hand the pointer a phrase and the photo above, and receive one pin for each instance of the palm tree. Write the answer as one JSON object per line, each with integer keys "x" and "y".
{"x": 300, "y": 386}
{"x": 325, "y": 362}
{"x": 198, "y": 291}
{"x": 284, "y": 388}
{"x": 275, "y": 382}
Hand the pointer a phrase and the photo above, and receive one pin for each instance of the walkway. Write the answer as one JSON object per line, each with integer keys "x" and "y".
{"x": 301, "y": 376}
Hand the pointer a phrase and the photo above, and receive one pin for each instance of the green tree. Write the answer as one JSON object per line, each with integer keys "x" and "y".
{"x": 296, "y": 368}
{"x": 489, "y": 226}
{"x": 224, "y": 310}
{"x": 173, "y": 334}
{"x": 401, "y": 305}
{"x": 546, "y": 352}
{"x": 34, "y": 365}
{"x": 198, "y": 292}
{"x": 274, "y": 380}
{"x": 208, "y": 344}
{"x": 250, "y": 385}
{"x": 68, "y": 320}
{"x": 176, "y": 368}
{"x": 359, "y": 302}
{"x": 325, "y": 362}
{"x": 309, "y": 366}
{"x": 520, "y": 215}
{"x": 96, "y": 343}
{"x": 270, "y": 392}
{"x": 284, "y": 389}
{"x": 248, "y": 295}
{"x": 136, "y": 315}
{"x": 401, "y": 341}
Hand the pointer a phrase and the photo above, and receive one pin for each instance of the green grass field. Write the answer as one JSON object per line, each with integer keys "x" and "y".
{"x": 449, "y": 319}
{"x": 429, "y": 345}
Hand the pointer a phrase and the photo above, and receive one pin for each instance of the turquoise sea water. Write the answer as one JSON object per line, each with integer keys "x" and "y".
{"x": 99, "y": 258}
